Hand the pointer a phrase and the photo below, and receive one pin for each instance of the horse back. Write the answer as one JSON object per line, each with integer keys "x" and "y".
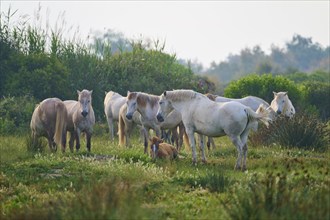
{"x": 168, "y": 150}
{"x": 253, "y": 102}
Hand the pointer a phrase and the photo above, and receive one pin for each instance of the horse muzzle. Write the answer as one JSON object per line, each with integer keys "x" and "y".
{"x": 278, "y": 112}
{"x": 84, "y": 113}
{"x": 160, "y": 118}
{"x": 129, "y": 116}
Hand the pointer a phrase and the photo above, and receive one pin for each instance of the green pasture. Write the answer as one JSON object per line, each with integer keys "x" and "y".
{"x": 113, "y": 182}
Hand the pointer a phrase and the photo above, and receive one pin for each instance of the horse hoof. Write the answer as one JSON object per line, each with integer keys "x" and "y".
{"x": 204, "y": 161}
{"x": 237, "y": 168}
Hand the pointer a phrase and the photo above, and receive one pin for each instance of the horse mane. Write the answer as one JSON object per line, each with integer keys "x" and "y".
{"x": 144, "y": 98}
{"x": 182, "y": 94}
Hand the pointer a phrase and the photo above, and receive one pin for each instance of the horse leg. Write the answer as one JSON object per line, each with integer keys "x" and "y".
{"x": 191, "y": 138}
{"x": 181, "y": 133}
{"x": 210, "y": 141}
{"x": 244, "y": 138}
{"x": 88, "y": 141}
{"x": 146, "y": 138}
{"x": 111, "y": 131}
{"x": 239, "y": 146}
{"x": 77, "y": 136}
{"x": 201, "y": 138}
{"x": 71, "y": 141}
{"x": 63, "y": 140}
{"x": 175, "y": 137}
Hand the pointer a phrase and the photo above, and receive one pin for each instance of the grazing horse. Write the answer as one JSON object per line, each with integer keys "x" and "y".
{"x": 251, "y": 101}
{"x": 80, "y": 118}
{"x": 201, "y": 115}
{"x": 282, "y": 105}
{"x": 112, "y": 104}
{"x": 147, "y": 105}
{"x": 49, "y": 120}
{"x": 125, "y": 126}
{"x": 159, "y": 149}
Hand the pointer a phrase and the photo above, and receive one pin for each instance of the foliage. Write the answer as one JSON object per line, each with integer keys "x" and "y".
{"x": 275, "y": 196}
{"x": 303, "y": 131}
{"x": 15, "y": 113}
{"x": 317, "y": 94}
{"x": 280, "y": 184}
{"x": 317, "y": 76}
{"x": 44, "y": 65}
{"x": 263, "y": 87}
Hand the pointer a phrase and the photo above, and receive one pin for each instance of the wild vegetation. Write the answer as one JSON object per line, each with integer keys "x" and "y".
{"x": 114, "y": 182}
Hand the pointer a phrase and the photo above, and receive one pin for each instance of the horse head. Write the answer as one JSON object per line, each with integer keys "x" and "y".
{"x": 165, "y": 108}
{"x": 85, "y": 101}
{"x": 131, "y": 104}
{"x": 279, "y": 102}
{"x": 154, "y": 146}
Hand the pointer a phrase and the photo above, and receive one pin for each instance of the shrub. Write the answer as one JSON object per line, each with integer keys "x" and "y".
{"x": 15, "y": 113}
{"x": 304, "y": 131}
{"x": 279, "y": 196}
{"x": 263, "y": 87}
{"x": 317, "y": 94}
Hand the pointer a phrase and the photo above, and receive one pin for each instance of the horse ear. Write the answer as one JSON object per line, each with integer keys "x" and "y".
{"x": 105, "y": 92}
{"x": 275, "y": 94}
{"x": 128, "y": 92}
{"x": 78, "y": 92}
{"x": 164, "y": 93}
{"x": 286, "y": 93}
{"x": 90, "y": 92}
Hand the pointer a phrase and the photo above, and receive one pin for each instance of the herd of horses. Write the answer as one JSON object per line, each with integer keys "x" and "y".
{"x": 180, "y": 112}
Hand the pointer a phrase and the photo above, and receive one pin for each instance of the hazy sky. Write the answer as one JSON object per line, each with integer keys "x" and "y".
{"x": 204, "y": 30}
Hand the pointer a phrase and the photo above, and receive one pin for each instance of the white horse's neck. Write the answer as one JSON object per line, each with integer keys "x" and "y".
{"x": 185, "y": 105}
{"x": 148, "y": 112}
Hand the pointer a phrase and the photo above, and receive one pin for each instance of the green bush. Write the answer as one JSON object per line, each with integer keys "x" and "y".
{"x": 317, "y": 95}
{"x": 278, "y": 195}
{"x": 303, "y": 131}
{"x": 15, "y": 113}
{"x": 263, "y": 87}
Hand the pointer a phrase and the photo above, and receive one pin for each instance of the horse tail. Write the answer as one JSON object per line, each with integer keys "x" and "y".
{"x": 121, "y": 131}
{"x": 60, "y": 126}
{"x": 262, "y": 115}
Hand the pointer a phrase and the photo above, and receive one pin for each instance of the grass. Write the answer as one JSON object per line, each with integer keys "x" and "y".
{"x": 118, "y": 183}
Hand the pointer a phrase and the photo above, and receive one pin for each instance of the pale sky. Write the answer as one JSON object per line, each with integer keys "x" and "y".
{"x": 203, "y": 30}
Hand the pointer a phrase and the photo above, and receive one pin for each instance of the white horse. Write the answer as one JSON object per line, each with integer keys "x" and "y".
{"x": 81, "y": 118}
{"x": 251, "y": 101}
{"x": 282, "y": 105}
{"x": 112, "y": 104}
{"x": 49, "y": 120}
{"x": 147, "y": 105}
{"x": 125, "y": 126}
{"x": 201, "y": 115}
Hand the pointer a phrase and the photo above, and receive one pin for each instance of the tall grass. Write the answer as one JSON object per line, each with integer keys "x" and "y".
{"x": 303, "y": 131}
